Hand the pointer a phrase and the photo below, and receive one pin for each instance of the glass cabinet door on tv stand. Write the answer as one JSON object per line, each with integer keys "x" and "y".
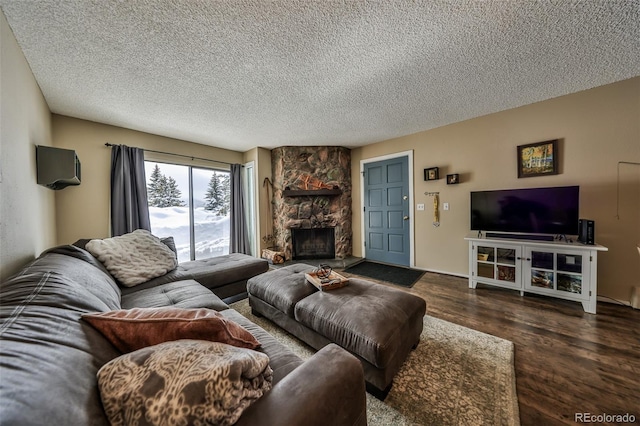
{"x": 560, "y": 273}
{"x": 557, "y": 269}
{"x": 496, "y": 264}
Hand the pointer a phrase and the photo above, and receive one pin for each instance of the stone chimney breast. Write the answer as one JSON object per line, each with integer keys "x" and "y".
{"x": 312, "y": 190}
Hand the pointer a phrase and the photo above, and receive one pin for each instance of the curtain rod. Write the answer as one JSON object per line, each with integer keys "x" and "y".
{"x": 179, "y": 155}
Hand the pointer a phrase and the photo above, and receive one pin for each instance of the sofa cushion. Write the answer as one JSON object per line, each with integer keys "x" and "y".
{"x": 135, "y": 257}
{"x": 81, "y": 285}
{"x": 133, "y": 329}
{"x": 49, "y": 356}
{"x": 223, "y": 270}
{"x": 170, "y": 242}
{"x": 179, "y": 294}
{"x": 184, "y": 382}
{"x": 169, "y": 277}
{"x": 80, "y": 252}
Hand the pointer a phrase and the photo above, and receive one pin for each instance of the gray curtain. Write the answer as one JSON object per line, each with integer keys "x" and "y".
{"x": 129, "y": 208}
{"x": 239, "y": 238}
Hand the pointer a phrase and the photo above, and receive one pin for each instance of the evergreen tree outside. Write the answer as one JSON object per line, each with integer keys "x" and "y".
{"x": 212, "y": 194}
{"x": 173, "y": 194}
{"x": 217, "y": 195}
{"x": 225, "y": 182}
{"x": 154, "y": 187}
{"x": 163, "y": 191}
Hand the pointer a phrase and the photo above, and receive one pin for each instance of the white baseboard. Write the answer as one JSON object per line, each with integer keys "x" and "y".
{"x": 613, "y": 301}
{"x": 436, "y": 271}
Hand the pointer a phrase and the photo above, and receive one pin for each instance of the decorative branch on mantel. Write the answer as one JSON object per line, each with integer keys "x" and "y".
{"x": 431, "y": 194}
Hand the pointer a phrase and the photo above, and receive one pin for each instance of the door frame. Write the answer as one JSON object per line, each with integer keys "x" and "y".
{"x": 250, "y": 194}
{"x": 409, "y": 155}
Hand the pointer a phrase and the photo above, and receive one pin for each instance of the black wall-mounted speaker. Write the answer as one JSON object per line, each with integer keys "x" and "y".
{"x": 586, "y": 231}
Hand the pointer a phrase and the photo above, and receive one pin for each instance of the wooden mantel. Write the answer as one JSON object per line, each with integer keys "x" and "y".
{"x": 310, "y": 192}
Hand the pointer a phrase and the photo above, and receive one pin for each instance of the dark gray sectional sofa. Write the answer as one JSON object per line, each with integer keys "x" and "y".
{"x": 49, "y": 357}
{"x": 226, "y": 276}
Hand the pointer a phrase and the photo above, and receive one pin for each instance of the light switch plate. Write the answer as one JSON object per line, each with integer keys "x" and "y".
{"x": 445, "y": 206}
{"x": 420, "y": 207}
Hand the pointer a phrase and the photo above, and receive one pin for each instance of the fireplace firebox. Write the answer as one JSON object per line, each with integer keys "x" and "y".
{"x": 313, "y": 243}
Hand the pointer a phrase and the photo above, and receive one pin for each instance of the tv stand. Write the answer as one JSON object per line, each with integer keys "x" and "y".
{"x": 563, "y": 269}
{"x": 535, "y": 237}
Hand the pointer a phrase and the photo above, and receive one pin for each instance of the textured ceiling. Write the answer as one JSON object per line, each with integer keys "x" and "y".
{"x": 240, "y": 74}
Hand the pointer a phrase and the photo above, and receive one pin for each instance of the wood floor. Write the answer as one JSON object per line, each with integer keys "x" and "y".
{"x": 566, "y": 361}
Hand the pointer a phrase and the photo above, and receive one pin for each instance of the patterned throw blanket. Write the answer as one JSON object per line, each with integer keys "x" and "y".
{"x": 183, "y": 382}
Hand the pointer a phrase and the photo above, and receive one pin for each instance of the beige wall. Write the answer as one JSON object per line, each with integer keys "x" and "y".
{"x": 266, "y": 206}
{"x": 597, "y": 129}
{"x": 27, "y": 214}
{"x": 83, "y": 211}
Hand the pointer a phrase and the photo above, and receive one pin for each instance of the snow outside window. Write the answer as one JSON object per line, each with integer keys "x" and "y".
{"x": 190, "y": 204}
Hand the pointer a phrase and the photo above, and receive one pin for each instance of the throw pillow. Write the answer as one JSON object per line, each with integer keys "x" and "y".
{"x": 135, "y": 257}
{"x": 132, "y": 329}
{"x": 170, "y": 242}
{"x": 185, "y": 382}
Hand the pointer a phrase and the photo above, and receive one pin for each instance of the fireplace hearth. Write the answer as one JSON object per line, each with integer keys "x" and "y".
{"x": 313, "y": 243}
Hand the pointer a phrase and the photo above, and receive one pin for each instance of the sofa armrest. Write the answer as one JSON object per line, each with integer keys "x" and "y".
{"x": 328, "y": 388}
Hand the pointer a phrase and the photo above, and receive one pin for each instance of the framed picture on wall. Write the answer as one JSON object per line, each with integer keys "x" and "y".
{"x": 453, "y": 179}
{"x": 431, "y": 173}
{"x": 538, "y": 159}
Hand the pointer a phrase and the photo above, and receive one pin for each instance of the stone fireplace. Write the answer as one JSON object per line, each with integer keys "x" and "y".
{"x": 313, "y": 243}
{"x": 312, "y": 191}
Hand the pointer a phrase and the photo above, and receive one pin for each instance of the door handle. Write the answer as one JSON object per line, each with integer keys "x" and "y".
{"x": 405, "y": 218}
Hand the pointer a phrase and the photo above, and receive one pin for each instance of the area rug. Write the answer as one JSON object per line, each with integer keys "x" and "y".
{"x": 456, "y": 376}
{"x": 405, "y": 277}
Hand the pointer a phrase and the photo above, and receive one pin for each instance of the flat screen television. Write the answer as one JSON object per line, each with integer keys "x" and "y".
{"x": 532, "y": 210}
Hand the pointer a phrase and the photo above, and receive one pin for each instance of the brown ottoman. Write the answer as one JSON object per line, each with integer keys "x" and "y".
{"x": 378, "y": 324}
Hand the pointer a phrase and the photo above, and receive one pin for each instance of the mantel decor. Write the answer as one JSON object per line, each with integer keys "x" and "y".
{"x": 431, "y": 173}
{"x": 538, "y": 159}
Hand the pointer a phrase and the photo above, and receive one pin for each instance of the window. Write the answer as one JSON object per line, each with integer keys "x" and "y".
{"x": 190, "y": 204}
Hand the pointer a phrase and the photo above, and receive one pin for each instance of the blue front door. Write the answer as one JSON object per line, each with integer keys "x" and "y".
{"x": 386, "y": 211}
